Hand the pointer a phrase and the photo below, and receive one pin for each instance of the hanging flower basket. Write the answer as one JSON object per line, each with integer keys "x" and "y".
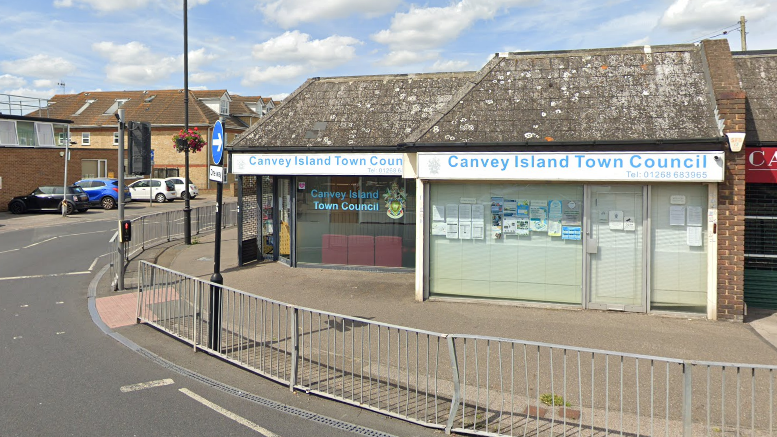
{"x": 190, "y": 139}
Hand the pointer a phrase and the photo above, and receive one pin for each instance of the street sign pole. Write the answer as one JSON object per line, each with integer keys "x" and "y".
{"x": 217, "y": 149}
{"x": 120, "y": 207}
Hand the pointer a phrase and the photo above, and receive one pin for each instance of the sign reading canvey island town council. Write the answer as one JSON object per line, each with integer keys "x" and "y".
{"x": 586, "y": 166}
{"x": 346, "y": 164}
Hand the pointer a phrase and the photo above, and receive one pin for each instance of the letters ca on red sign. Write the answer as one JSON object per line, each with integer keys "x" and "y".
{"x": 761, "y": 165}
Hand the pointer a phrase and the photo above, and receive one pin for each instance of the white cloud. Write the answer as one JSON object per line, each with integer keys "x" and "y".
{"x": 705, "y": 14}
{"x": 276, "y": 74}
{"x": 134, "y": 63}
{"x": 199, "y": 58}
{"x": 279, "y": 97}
{"x": 36, "y": 93}
{"x": 406, "y": 57}
{"x": 450, "y": 66}
{"x": 289, "y": 13}
{"x": 432, "y": 27}
{"x": 203, "y": 77}
{"x": 39, "y": 66}
{"x": 8, "y": 81}
{"x": 298, "y": 47}
{"x": 118, "y": 5}
{"x": 44, "y": 83}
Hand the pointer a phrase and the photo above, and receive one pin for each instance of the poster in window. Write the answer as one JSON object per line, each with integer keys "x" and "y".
{"x": 452, "y": 213}
{"x": 570, "y": 214}
{"x": 477, "y": 230}
{"x": 510, "y": 226}
{"x": 439, "y": 228}
{"x": 438, "y": 213}
{"x": 615, "y": 220}
{"x": 676, "y": 215}
{"x": 497, "y": 204}
{"x": 629, "y": 223}
{"x": 538, "y": 215}
{"x": 478, "y": 212}
{"x": 571, "y": 232}
{"x": 694, "y": 216}
{"x": 465, "y": 230}
{"x": 694, "y": 236}
{"x": 554, "y": 218}
{"x": 522, "y": 212}
{"x": 465, "y": 212}
{"x": 452, "y": 231}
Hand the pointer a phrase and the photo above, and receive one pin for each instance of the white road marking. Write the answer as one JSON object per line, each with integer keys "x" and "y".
{"x": 11, "y": 278}
{"x": 16, "y": 338}
{"x": 40, "y": 242}
{"x": 60, "y": 303}
{"x": 23, "y": 306}
{"x": 60, "y": 332}
{"x": 91, "y": 267}
{"x": 227, "y": 413}
{"x": 145, "y": 385}
{"x": 12, "y": 250}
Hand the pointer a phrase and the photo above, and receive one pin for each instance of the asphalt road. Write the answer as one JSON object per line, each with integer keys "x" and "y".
{"x": 61, "y": 375}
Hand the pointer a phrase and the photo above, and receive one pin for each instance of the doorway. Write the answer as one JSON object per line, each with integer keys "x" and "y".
{"x": 615, "y": 248}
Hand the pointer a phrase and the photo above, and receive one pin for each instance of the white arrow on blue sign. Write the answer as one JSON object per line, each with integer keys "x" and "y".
{"x": 217, "y": 143}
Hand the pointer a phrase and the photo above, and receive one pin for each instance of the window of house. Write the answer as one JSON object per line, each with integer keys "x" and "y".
{"x": 85, "y": 138}
{"x": 162, "y": 172}
{"x": 26, "y": 133}
{"x": 8, "y": 133}
{"x": 94, "y": 168}
{"x": 115, "y": 138}
{"x": 45, "y": 133}
{"x": 83, "y": 108}
{"x": 224, "y": 107}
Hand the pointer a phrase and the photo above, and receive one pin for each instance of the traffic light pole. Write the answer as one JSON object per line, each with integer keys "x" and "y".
{"x": 120, "y": 116}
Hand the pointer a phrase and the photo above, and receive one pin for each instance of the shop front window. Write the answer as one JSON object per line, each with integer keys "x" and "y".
{"x": 506, "y": 241}
{"x": 679, "y": 242}
{"x": 352, "y": 220}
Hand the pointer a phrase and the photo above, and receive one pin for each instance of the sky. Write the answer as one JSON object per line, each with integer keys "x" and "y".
{"x": 269, "y": 48}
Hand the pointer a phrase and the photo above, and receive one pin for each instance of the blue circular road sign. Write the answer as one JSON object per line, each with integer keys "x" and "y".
{"x": 217, "y": 143}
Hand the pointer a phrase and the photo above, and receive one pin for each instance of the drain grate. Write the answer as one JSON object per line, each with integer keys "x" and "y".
{"x": 334, "y": 423}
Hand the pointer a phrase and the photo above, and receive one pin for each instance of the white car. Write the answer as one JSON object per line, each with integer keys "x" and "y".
{"x": 180, "y": 188}
{"x": 157, "y": 189}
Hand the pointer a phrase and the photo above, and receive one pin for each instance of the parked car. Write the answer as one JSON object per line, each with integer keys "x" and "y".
{"x": 157, "y": 189}
{"x": 103, "y": 192}
{"x": 49, "y": 198}
{"x": 180, "y": 187}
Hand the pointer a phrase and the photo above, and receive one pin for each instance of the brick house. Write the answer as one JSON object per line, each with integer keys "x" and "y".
{"x": 94, "y": 125}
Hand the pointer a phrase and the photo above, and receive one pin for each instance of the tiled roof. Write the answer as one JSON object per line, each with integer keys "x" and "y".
{"x": 354, "y": 111}
{"x": 239, "y": 104}
{"x": 158, "y": 107}
{"x": 583, "y": 95}
{"x": 209, "y": 94}
{"x": 758, "y": 76}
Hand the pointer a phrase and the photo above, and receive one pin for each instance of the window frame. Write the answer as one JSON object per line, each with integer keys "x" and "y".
{"x": 86, "y": 138}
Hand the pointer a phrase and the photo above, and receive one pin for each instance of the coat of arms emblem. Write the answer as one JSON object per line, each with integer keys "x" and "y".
{"x": 395, "y": 199}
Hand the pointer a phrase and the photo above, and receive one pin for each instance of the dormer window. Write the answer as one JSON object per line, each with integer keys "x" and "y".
{"x": 116, "y": 105}
{"x": 86, "y": 105}
{"x": 224, "y": 107}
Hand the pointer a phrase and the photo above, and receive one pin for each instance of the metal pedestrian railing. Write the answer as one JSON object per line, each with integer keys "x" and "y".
{"x": 155, "y": 229}
{"x": 460, "y": 383}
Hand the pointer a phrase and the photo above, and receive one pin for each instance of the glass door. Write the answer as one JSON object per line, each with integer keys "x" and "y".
{"x": 615, "y": 247}
{"x": 268, "y": 215}
{"x": 284, "y": 219}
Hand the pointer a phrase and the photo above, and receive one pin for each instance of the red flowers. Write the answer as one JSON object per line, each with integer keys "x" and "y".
{"x": 190, "y": 139}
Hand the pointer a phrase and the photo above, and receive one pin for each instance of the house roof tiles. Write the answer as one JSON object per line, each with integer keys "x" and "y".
{"x": 758, "y": 76}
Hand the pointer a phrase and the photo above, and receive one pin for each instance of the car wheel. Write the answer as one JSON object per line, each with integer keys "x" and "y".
{"x": 160, "y": 198}
{"x": 108, "y": 202}
{"x": 16, "y": 207}
{"x": 183, "y": 195}
{"x": 69, "y": 210}
{"x": 83, "y": 210}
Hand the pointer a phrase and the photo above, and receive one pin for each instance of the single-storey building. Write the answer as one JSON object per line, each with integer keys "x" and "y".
{"x": 601, "y": 179}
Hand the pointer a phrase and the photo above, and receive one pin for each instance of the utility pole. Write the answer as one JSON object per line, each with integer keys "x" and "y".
{"x": 120, "y": 118}
{"x": 187, "y": 211}
{"x": 742, "y": 32}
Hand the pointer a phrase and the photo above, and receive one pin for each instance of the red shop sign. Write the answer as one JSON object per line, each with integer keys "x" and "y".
{"x": 761, "y": 165}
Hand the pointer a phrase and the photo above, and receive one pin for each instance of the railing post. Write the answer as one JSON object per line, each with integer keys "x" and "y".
{"x": 143, "y": 233}
{"x": 687, "y": 399}
{"x": 294, "y": 347}
{"x": 197, "y": 285}
{"x": 456, "y": 385}
{"x": 167, "y": 225}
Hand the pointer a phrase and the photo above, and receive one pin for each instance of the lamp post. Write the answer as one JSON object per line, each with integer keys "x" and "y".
{"x": 187, "y": 212}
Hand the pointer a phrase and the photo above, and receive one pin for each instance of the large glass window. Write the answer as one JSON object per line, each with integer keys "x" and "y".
{"x": 354, "y": 220}
{"x": 26, "y": 132}
{"x": 8, "y": 132}
{"x": 679, "y": 242}
{"x": 506, "y": 241}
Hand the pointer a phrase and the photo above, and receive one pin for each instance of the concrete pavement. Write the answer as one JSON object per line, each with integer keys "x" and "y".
{"x": 388, "y": 297}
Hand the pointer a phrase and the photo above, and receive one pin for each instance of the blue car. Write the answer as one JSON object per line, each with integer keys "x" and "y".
{"x": 103, "y": 192}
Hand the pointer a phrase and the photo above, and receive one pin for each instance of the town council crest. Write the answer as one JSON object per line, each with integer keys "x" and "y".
{"x": 395, "y": 199}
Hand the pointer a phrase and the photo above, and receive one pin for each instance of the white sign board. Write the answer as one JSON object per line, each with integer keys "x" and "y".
{"x": 582, "y": 166}
{"x": 217, "y": 173}
{"x": 347, "y": 164}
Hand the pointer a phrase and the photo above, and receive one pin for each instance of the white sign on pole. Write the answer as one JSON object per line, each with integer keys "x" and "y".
{"x": 348, "y": 164}
{"x": 217, "y": 174}
{"x": 582, "y": 166}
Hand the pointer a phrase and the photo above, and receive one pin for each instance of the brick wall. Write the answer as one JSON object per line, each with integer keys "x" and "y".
{"x": 24, "y": 169}
{"x": 730, "y": 101}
